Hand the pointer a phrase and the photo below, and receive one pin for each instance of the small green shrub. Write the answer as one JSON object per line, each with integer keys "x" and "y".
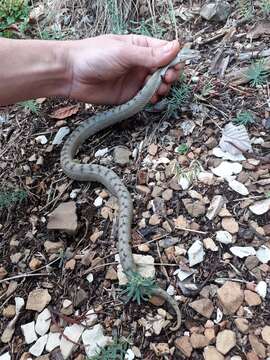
{"x": 30, "y": 105}
{"x": 116, "y": 351}
{"x": 178, "y": 96}
{"x": 257, "y": 73}
{"x": 182, "y": 149}
{"x": 246, "y": 9}
{"x": 244, "y": 118}
{"x": 9, "y": 198}
{"x": 13, "y": 12}
{"x": 265, "y": 7}
{"x": 139, "y": 288}
{"x": 118, "y": 25}
{"x": 147, "y": 27}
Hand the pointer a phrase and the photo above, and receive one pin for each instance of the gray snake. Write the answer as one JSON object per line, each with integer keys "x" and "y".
{"x": 107, "y": 177}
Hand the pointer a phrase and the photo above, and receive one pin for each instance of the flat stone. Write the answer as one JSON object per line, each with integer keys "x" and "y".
{"x": 157, "y": 191}
{"x": 242, "y": 325}
{"x": 231, "y": 297}
{"x": 43, "y": 322}
{"x": 54, "y": 339}
{"x": 167, "y": 194}
{"x": 224, "y": 237}
{"x": 210, "y": 334}
{"x": 211, "y": 353}
{"x": 194, "y": 208}
{"x": 35, "y": 263}
{"x": 229, "y": 224}
{"x": 204, "y": 307}
{"x": 156, "y": 300}
{"x": 64, "y": 218}
{"x": 5, "y": 356}
{"x": 266, "y": 334}
{"x": 251, "y": 262}
{"x": 183, "y": 344}
{"x": 196, "y": 253}
{"x": 39, "y": 346}
{"x": 154, "y": 220}
{"x": 257, "y": 346}
{"x": 111, "y": 274}
{"x": 9, "y": 312}
{"x": 52, "y": 247}
{"x": 121, "y": 155}
{"x": 215, "y": 206}
{"x": 251, "y": 298}
{"x": 198, "y": 341}
{"x": 252, "y": 356}
{"x": 72, "y": 333}
{"x": 38, "y": 299}
{"x": 152, "y": 149}
{"x": 209, "y": 244}
{"x": 94, "y": 340}
{"x": 218, "y": 11}
{"x": 29, "y": 333}
{"x": 226, "y": 340}
{"x": 80, "y": 297}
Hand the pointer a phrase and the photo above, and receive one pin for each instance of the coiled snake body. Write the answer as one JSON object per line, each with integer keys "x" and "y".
{"x": 107, "y": 177}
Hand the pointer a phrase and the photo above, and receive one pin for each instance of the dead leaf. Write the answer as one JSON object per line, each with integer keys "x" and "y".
{"x": 65, "y": 112}
{"x": 235, "y": 139}
{"x": 261, "y": 28}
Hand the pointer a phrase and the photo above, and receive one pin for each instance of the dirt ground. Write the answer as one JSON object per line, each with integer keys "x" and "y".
{"x": 163, "y": 149}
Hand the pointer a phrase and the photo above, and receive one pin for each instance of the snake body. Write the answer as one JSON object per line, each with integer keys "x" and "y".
{"x": 107, "y": 177}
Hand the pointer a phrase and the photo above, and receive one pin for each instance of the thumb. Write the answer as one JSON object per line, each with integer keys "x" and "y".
{"x": 152, "y": 57}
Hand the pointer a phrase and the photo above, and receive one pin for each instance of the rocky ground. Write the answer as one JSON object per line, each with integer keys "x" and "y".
{"x": 198, "y": 174}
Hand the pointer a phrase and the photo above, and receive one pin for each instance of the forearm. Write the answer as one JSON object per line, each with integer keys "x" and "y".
{"x": 30, "y": 69}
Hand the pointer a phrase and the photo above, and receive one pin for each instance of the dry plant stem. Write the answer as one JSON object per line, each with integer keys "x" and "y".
{"x": 23, "y": 276}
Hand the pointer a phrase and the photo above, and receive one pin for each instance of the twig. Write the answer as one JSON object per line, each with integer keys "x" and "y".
{"x": 23, "y": 276}
{"x": 191, "y": 230}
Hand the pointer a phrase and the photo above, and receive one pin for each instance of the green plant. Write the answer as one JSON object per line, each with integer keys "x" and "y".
{"x": 182, "y": 149}
{"x": 265, "y": 7}
{"x": 178, "y": 97}
{"x": 8, "y": 198}
{"x": 257, "y": 73}
{"x": 13, "y": 12}
{"x": 115, "y": 351}
{"x": 244, "y": 118}
{"x": 116, "y": 19}
{"x": 207, "y": 88}
{"x": 30, "y": 105}
{"x": 138, "y": 288}
{"x": 147, "y": 27}
{"x": 246, "y": 9}
{"x": 267, "y": 194}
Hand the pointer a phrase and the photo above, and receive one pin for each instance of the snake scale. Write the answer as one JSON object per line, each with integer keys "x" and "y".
{"x": 107, "y": 177}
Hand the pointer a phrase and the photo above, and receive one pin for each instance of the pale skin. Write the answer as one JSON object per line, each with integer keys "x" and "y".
{"x": 107, "y": 69}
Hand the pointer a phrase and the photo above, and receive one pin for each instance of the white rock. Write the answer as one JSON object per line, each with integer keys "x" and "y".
{"x": 206, "y": 177}
{"x": 243, "y": 251}
{"x": 43, "y": 322}
{"x": 170, "y": 290}
{"x": 53, "y": 341}
{"x": 74, "y": 193}
{"x": 215, "y": 206}
{"x": 98, "y": 201}
{"x": 226, "y": 155}
{"x": 224, "y": 237}
{"x": 90, "y": 318}
{"x": 238, "y": 187}
{"x": 129, "y": 355}
{"x": 183, "y": 274}
{"x": 19, "y": 304}
{"x": 66, "y": 303}
{"x": 145, "y": 267}
{"x": 219, "y": 316}
{"x": 209, "y": 244}
{"x": 5, "y": 356}
{"x": 257, "y": 141}
{"x": 263, "y": 254}
{"x": 235, "y": 138}
{"x": 260, "y": 207}
{"x": 29, "y": 333}
{"x": 94, "y": 339}
{"x": 61, "y": 133}
{"x": 41, "y": 139}
{"x": 227, "y": 169}
{"x": 38, "y": 347}
{"x": 261, "y": 289}
{"x": 73, "y": 333}
{"x": 101, "y": 152}
{"x": 184, "y": 182}
{"x": 90, "y": 278}
{"x": 196, "y": 253}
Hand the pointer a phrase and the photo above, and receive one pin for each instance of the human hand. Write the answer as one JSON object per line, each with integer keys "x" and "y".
{"x": 111, "y": 69}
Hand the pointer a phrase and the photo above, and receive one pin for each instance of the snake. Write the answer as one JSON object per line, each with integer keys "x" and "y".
{"x": 107, "y": 177}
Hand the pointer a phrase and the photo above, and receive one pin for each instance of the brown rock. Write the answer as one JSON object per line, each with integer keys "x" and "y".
{"x": 3, "y": 272}
{"x": 38, "y": 299}
{"x": 266, "y": 334}
{"x": 52, "y": 247}
{"x": 251, "y": 262}
{"x": 143, "y": 190}
{"x": 257, "y": 346}
{"x": 80, "y": 297}
{"x": 194, "y": 208}
{"x": 183, "y": 344}
{"x": 25, "y": 356}
{"x": 160, "y": 349}
{"x": 252, "y": 356}
{"x": 111, "y": 274}
{"x": 152, "y": 149}
{"x": 35, "y": 263}
{"x": 87, "y": 258}
{"x": 64, "y": 218}
{"x": 9, "y": 312}
{"x": 226, "y": 340}
{"x": 156, "y": 300}
{"x": 154, "y": 220}
{"x": 229, "y": 224}
{"x": 251, "y": 298}
{"x": 167, "y": 194}
{"x": 157, "y": 191}
{"x": 198, "y": 341}
{"x": 204, "y": 307}
{"x": 211, "y": 353}
{"x": 210, "y": 334}
{"x": 242, "y": 325}
{"x": 230, "y": 296}
{"x": 70, "y": 264}
{"x": 96, "y": 235}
